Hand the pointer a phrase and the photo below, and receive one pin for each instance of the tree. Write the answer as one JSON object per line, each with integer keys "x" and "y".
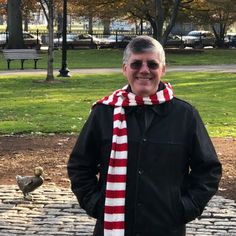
{"x": 14, "y": 24}
{"x": 3, "y": 7}
{"x": 103, "y": 9}
{"x": 161, "y": 14}
{"x": 27, "y": 8}
{"x": 48, "y": 8}
{"x": 3, "y": 10}
{"x": 219, "y": 14}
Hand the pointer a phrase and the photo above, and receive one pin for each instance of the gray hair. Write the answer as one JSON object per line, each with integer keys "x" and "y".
{"x": 141, "y": 44}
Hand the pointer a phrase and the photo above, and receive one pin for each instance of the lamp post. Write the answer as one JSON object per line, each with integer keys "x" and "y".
{"x": 64, "y": 71}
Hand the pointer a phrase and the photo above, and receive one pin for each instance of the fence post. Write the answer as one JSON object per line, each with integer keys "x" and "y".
{"x": 6, "y": 37}
{"x": 37, "y": 33}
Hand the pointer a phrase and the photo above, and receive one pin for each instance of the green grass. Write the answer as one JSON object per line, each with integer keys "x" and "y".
{"x": 113, "y": 58}
{"x": 208, "y": 57}
{"x": 213, "y": 94}
{"x": 30, "y": 107}
{"x": 75, "y": 58}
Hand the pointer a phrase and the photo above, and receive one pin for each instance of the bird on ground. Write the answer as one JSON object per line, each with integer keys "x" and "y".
{"x": 28, "y": 184}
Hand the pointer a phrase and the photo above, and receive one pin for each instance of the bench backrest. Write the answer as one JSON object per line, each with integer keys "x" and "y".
{"x": 20, "y": 54}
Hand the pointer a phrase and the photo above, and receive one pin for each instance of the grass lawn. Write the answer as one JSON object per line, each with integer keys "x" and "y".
{"x": 113, "y": 58}
{"x": 30, "y": 107}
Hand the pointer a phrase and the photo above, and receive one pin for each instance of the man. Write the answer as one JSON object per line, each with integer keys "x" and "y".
{"x": 143, "y": 164}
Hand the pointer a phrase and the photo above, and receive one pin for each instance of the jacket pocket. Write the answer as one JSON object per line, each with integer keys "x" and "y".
{"x": 190, "y": 208}
{"x": 178, "y": 209}
{"x": 98, "y": 210}
{"x": 91, "y": 205}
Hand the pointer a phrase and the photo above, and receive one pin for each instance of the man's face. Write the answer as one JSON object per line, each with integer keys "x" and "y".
{"x": 143, "y": 72}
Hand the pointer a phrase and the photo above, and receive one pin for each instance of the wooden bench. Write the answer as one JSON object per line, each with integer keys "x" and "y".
{"x": 21, "y": 54}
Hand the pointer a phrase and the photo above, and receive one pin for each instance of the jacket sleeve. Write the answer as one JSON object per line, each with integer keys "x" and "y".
{"x": 83, "y": 166}
{"x": 205, "y": 171}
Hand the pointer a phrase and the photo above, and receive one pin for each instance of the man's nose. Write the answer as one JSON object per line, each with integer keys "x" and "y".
{"x": 144, "y": 68}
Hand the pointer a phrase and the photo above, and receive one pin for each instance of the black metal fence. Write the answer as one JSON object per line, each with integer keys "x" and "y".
{"x": 43, "y": 34}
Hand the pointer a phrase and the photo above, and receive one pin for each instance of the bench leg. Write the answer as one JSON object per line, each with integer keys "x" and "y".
{"x": 8, "y": 64}
{"x": 35, "y": 63}
{"x": 22, "y": 64}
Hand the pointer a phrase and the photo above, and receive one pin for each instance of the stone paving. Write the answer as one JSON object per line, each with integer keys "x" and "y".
{"x": 55, "y": 211}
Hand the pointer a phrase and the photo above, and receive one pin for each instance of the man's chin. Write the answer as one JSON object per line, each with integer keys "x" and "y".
{"x": 144, "y": 92}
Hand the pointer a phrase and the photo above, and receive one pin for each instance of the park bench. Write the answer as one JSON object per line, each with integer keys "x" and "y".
{"x": 21, "y": 54}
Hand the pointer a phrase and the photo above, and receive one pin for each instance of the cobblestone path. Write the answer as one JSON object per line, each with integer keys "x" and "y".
{"x": 55, "y": 211}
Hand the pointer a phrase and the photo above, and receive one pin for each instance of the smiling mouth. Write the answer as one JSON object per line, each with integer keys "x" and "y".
{"x": 144, "y": 78}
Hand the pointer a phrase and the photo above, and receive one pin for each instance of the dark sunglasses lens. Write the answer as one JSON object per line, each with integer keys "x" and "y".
{"x": 136, "y": 65}
{"x": 152, "y": 65}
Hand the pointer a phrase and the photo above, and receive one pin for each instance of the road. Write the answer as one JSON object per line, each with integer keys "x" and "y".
{"x": 197, "y": 68}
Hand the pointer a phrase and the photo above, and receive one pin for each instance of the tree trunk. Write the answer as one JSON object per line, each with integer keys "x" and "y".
{"x": 50, "y": 76}
{"x": 26, "y": 24}
{"x": 1, "y": 20}
{"x": 172, "y": 21}
{"x": 136, "y": 27}
{"x": 219, "y": 35}
{"x": 59, "y": 23}
{"x": 157, "y": 22}
{"x": 141, "y": 26}
{"x": 15, "y": 37}
{"x": 159, "y": 18}
{"x": 106, "y": 24}
{"x": 90, "y": 31}
{"x": 154, "y": 28}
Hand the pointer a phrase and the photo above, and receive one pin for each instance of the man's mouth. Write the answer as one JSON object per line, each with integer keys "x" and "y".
{"x": 144, "y": 78}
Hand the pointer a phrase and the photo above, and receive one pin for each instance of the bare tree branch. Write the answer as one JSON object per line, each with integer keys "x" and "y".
{"x": 42, "y": 3}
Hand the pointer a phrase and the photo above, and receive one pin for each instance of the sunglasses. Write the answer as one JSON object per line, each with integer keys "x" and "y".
{"x": 136, "y": 65}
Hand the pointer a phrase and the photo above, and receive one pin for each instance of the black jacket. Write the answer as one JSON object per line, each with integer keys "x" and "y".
{"x": 172, "y": 173}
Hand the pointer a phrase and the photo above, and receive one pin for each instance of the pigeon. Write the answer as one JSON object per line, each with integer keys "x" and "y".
{"x": 28, "y": 184}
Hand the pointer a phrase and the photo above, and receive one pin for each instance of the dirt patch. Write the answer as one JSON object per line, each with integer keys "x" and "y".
{"x": 20, "y": 154}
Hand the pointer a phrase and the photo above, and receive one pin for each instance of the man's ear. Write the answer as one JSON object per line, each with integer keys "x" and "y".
{"x": 163, "y": 70}
{"x": 124, "y": 68}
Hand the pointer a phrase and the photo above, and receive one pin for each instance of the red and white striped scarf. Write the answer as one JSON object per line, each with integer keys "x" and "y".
{"x": 114, "y": 212}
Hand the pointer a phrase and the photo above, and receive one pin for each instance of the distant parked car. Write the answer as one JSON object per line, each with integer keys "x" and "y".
{"x": 80, "y": 41}
{"x": 199, "y": 39}
{"x": 119, "y": 41}
{"x": 2, "y": 40}
{"x": 69, "y": 38}
{"x": 174, "y": 41}
{"x": 230, "y": 40}
{"x": 30, "y": 40}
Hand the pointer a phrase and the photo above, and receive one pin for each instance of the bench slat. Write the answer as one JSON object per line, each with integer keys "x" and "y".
{"x": 19, "y": 57}
{"x": 19, "y": 50}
